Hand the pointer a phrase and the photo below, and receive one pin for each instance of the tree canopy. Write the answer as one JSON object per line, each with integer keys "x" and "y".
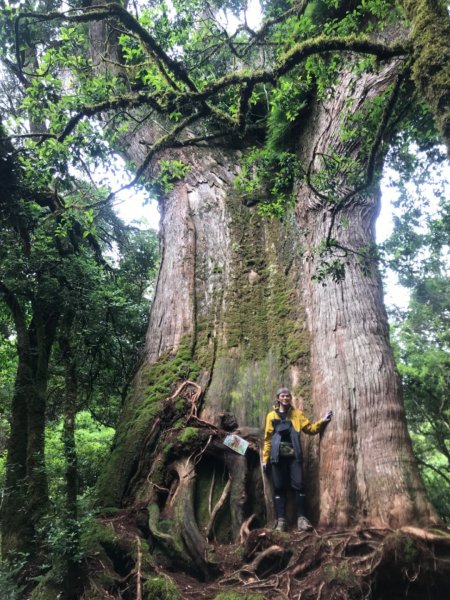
{"x": 199, "y": 80}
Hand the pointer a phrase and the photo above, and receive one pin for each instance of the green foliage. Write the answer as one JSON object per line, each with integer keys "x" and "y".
{"x": 266, "y": 178}
{"x": 60, "y": 537}
{"x": 52, "y": 266}
{"x": 422, "y": 339}
{"x": 362, "y": 125}
{"x": 335, "y": 169}
{"x": 288, "y": 100}
{"x": 170, "y": 171}
{"x": 10, "y": 569}
{"x": 333, "y": 269}
{"x": 418, "y": 251}
{"x": 8, "y": 368}
{"x": 93, "y": 442}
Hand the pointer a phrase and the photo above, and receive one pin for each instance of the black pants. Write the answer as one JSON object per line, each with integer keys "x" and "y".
{"x": 288, "y": 472}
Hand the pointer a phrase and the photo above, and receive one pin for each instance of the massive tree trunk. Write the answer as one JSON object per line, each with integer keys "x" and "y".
{"x": 227, "y": 315}
{"x": 368, "y": 474}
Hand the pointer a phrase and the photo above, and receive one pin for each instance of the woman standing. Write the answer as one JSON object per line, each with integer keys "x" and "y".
{"x": 283, "y": 449}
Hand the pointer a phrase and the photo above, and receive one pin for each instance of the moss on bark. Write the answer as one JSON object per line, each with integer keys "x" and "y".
{"x": 430, "y": 38}
{"x": 138, "y": 432}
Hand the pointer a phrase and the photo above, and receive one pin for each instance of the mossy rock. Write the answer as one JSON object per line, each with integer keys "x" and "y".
{"x": 161, "y": 588}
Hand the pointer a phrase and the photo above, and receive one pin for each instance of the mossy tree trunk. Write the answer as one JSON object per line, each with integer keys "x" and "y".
{"x": 226, "y": 316}
{"x": 240, "y": 308}
{"x": 430, "y": 39}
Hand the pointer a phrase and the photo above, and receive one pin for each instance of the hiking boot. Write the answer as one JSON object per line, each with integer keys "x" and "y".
{"x": 281, "y": 525}
{"x": 303, "y": 524}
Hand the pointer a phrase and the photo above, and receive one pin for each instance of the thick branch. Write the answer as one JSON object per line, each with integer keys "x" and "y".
{"x": 98, "y": 13}
{"x": 126, "y": 101}
{"x": 300, "y": 52}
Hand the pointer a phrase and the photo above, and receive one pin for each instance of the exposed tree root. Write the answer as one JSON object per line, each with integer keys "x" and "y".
{"x": 360, "y": 564}
{"x": 427, "y": 536}
{"x": 218, "y": 506}
{"x": 245, "y": 529}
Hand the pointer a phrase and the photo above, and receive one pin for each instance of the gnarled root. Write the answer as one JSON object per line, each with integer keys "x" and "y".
{"x": 245, "y": 529}
{"x": 184, "y": 515}
{"x": 271, "y": 560}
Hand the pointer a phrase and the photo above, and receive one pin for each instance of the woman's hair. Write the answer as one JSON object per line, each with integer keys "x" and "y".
{"x": 283, "y": 390}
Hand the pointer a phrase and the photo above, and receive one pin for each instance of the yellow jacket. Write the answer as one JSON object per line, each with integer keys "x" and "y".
{"x": 299, "y": 422}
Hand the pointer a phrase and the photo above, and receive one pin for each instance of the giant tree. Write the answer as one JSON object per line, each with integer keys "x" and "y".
{"x": 292, "y": 119}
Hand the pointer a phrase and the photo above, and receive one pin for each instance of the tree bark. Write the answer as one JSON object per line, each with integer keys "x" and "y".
{"x": 26, "y": 479}
{"x": 72, "y": 576}
{"x": 368, "y": 474}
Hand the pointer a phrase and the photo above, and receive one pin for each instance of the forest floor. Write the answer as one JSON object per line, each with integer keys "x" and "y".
{"x": 355, "y": 564}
